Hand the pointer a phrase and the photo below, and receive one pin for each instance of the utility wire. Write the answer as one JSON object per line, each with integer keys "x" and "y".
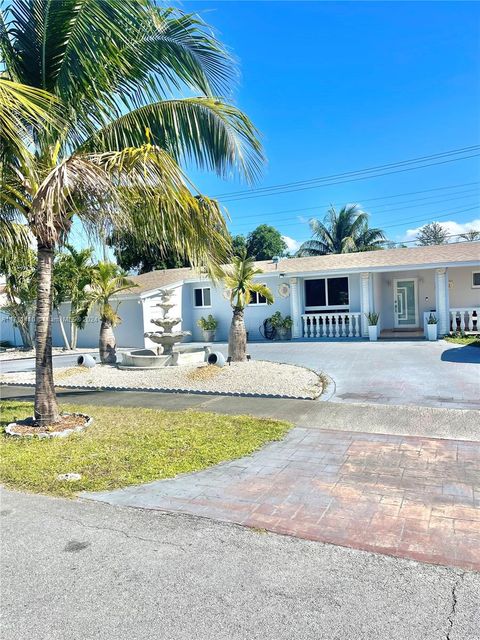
{"x": 359, "y": 200}
{"x": 348, "y": 173}
{"x": 458, "y": 196}
{"x": 249, "y": 195}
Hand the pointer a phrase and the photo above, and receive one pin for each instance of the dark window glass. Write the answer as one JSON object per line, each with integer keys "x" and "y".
{"x": 337, "y": 291}
{"x": 476, "y": 278}
{"x": 262, "y": 299}
{"x": 198, "y": 298}
{"x": 315, "y": 293}
{"x": 206, "y": 298}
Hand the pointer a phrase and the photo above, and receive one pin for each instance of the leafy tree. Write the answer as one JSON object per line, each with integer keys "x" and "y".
{"x": 18, "y": 265}
{"x": 108, "y": 280}
{"x": 239, "y": 279}
{"x": 342, "y": 231}
{"x": 239, "y": 245}
{"x": 432, "y": 233}
{"x": 136, "y": 256}
{"x": 470, "y": 236}
{"x": 265, "y": 242}
{"x": 115, "y": 163}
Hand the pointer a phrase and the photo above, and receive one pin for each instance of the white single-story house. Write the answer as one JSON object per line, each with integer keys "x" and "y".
{"x": 326, "y": 296}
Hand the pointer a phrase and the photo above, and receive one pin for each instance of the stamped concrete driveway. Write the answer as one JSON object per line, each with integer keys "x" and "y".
{"x": 430, "y": 374}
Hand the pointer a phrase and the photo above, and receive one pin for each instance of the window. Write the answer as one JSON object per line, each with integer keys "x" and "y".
{"x": 202, "y": 297}
{"x": 256, "y": 298}
{"x": 476, "y": 279}
{"x": 326, "y": 292}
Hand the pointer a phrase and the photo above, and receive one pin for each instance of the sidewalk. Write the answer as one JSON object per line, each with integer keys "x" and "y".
{"x": 404, "y": 420}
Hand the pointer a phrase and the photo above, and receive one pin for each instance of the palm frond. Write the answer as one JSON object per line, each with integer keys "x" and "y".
{"x": 205, "y": 131}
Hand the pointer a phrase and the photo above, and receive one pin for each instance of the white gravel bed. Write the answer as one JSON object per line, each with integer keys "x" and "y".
{"x": 254, "y": 377}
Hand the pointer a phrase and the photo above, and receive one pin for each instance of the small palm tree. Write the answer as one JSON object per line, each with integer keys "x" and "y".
{"x": 108, "y": 280}
{"x": 342, "y": 231}
{"x": 238, "y": 278}
{"x": 76, "y": 268}
{"x": 470, "y": 236}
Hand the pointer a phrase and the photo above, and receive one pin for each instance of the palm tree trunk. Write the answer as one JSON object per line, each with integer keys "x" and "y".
{"x": 237, "y": 339}
{"x": 107, "y": 344}
{"x": 46, "y": 407}
{"x": 73, "y": 330}
{"x": 62, "y": 329}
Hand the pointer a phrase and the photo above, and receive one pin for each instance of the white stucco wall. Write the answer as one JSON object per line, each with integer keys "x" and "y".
{"x": 461, "y": 292}
{"x": 222, "y": 311}
{"x": 128, "y": 334}
{"x": 8, "y": 331}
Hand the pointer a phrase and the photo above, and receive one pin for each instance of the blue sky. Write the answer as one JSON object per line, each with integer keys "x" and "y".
{"x": 340, "y": 86}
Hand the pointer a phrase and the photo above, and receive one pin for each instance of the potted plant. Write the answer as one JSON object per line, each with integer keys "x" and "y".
{"x": 372, "y": 318}
{"x": 208, "y": 326}
{"x": 432, "y": 327}
{"x": 281, "y": 324}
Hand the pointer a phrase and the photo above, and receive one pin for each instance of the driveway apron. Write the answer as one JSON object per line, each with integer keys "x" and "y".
{"x": 412, "y": 497}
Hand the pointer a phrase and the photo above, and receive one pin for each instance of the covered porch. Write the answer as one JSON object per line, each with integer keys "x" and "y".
{"x": 337, "y": 306}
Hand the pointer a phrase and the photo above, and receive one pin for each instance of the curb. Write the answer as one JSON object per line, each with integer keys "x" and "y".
{"x": 234, "y": 394}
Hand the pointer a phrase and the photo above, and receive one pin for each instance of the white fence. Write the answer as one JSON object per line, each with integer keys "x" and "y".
{"x": 331, "y": 325}
{"x": 465, "y": 319}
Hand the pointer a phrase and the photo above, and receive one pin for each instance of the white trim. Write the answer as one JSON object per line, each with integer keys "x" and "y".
{"x": 475, "y": 286}
{"x": 327, "y": 307}
{"x": 415, "y": 293}
{"x": 202, "y": 306}
{"x": 258, "y": 304}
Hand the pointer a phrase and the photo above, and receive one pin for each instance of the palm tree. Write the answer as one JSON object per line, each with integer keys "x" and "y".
{"x": 470, "y": 236}
{"x": 342, "y": 231}
{"x": 112, "y": 65}
{"x": 77, "y": 268}
{"x": 18, "y": 265}
{"x": 108, "y": 280}
{"x": 238, "y": 278}
{"x": 23, "y": 111}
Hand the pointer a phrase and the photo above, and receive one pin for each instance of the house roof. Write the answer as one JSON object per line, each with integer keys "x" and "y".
{"x": 431, "y": 256}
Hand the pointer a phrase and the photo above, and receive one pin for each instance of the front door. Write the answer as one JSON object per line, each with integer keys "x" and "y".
{"x": 405, "y": 303}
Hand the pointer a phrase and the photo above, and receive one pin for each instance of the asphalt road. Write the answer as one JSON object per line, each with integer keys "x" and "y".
{"x": 82, "y": 571}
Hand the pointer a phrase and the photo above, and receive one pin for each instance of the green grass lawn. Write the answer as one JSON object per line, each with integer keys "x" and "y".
{"x": 126, "y": 446}
{"x": 473, "y": 341}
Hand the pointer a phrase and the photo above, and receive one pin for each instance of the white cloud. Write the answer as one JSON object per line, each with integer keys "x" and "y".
{"x": 292, "y": 245}
{"x": 453, "y": 228}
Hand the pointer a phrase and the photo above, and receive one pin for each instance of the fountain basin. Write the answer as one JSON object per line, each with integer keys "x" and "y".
{"x": 147, "y": 359}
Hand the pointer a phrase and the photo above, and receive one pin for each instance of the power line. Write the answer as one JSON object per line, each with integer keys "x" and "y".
{"x": 362, "y": 200}
{"x": 249, "y": 195}
{"x": 452, "y": 235}
{"x": 439, "y": 214}
{"x": 458, "y": 196}
{"x": 338, "y": 175}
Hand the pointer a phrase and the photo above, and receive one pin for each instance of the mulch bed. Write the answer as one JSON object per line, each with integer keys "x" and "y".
{"x": 67, "y": 424}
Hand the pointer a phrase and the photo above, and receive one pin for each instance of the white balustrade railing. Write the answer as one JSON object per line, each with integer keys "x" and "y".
{"x": 331, "y": 325}
{"x": 465, "y": 319}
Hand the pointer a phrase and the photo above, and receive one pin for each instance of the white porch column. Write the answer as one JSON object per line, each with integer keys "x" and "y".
{"x": 442, "y": 304}
{"x": 295, "y": 312}
{"x": 365, "y": 302}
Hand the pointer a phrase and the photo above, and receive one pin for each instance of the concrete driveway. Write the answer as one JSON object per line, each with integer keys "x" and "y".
{"x": 431, "y": 374}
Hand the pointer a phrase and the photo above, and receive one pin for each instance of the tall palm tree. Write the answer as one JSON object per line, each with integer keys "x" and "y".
{"x": 342, "y": 231}
{"x": 239, "y": 280}
{"x": 117, "y": 68}
{"x": 108, "y": 280}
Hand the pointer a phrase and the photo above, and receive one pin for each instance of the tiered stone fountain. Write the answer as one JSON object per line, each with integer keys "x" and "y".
{"x": 167, "y": 353}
